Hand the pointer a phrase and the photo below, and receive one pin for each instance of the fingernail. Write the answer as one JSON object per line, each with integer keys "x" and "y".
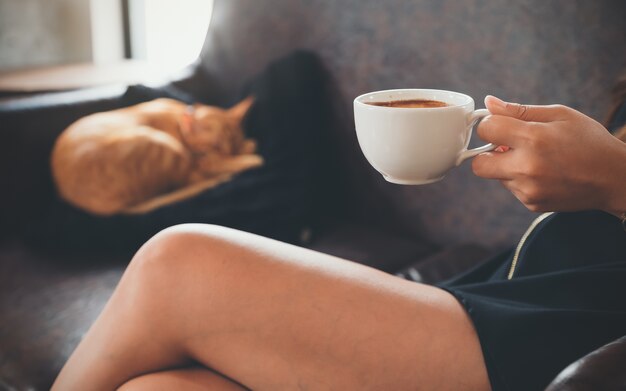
{"x": 502, "y": 148}
{"x": 495, "y": 101}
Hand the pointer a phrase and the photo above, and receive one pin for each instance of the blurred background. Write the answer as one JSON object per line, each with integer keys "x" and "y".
{"x": 46, "y": 44}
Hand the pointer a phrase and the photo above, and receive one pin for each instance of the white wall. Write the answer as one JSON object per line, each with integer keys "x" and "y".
{"x": 44, "y": 32}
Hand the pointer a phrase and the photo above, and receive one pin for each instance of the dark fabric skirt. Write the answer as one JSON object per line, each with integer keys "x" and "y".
{"x": 566, "y": 298}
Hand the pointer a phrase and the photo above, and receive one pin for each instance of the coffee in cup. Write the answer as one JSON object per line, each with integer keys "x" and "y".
{"x": 410, "y": 103}
{"x": 415, "y": 136}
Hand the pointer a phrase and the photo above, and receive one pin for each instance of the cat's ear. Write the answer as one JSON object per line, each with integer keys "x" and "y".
{"x": 240, "y": 109}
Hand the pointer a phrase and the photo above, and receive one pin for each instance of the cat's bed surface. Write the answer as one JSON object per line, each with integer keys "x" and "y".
{"x": 177, "y": 195}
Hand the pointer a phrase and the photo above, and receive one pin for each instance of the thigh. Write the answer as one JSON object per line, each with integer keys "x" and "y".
{"x": 277, "y": 316}
{"x": 188, "y": 379}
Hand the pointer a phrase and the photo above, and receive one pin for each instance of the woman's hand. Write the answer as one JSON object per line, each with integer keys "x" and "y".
{"x": 557, "y": 159}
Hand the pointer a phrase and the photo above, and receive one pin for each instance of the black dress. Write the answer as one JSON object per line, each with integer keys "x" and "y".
{"x": 563, "y": 297}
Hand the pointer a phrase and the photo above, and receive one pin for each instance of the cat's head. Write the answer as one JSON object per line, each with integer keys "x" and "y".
{"x": 214, "y": 129}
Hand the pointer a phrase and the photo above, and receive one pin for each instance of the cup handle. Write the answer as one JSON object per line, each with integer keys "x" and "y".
{"x": 472, "y": 119}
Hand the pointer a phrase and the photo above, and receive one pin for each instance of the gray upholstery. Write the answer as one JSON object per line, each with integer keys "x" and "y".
{"x": 533, "y": 51}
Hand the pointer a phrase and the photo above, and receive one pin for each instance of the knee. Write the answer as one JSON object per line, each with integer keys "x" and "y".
{"x": 196, "y": 378}
{"x": 137, "y": 384}
{"x": 177, "y": 254}
{"x": 150, "y": 382}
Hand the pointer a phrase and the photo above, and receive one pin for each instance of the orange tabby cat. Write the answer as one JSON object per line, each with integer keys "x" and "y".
{"x": 139, "y": 158}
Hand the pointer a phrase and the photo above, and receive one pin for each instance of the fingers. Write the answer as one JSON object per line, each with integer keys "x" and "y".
{"x": 494, "y": 165}
{"x": 498, "y": 166}
{"x": 513, "y": 125}
{"x": 501, "y": 130}
{"x": 526, "y": 113}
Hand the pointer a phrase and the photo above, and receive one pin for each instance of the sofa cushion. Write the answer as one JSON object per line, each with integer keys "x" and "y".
{"x": 47, "y": 303}
{"x": 369, "y": 245}
{"x": 445, "y": 264}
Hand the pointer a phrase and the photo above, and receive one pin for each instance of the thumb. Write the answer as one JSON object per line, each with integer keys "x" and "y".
{"x": 522, "y": 112}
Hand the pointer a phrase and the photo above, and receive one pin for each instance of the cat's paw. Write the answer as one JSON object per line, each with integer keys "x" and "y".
{"x": 248, "y": 147}
{"x": 230, "y": 164}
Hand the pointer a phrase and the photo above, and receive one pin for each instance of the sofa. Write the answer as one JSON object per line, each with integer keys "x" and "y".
{"x": 528, "y": 51}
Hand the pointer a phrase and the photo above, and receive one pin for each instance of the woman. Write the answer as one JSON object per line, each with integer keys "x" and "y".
{"x": 204, "y": 307}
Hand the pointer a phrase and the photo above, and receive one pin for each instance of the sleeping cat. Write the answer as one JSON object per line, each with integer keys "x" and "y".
{"x": 142, "y": 157}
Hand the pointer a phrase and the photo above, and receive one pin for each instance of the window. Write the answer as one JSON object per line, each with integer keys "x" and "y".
{"x": 48, "y": 45}
{"x": 41, "y": 33}
{"x": 167, "y": 33}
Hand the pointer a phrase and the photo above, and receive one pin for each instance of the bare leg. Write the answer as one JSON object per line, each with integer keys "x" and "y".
{"x": 189, "y": 379}
{"x": 274, "y": 316}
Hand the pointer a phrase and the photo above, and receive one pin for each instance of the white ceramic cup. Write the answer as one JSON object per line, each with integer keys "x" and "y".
{"x": 416, "y": 146}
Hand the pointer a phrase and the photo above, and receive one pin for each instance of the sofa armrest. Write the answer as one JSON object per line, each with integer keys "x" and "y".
{"x": 602, "y": 369}
{"x": 28, "y": 128}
